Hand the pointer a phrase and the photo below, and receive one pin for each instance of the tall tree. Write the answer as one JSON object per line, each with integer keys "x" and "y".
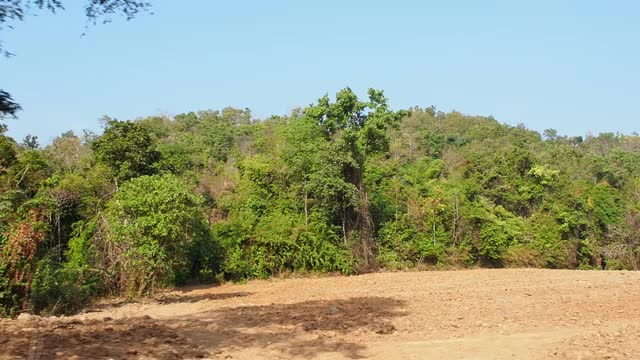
{"x": 358, "y": 129}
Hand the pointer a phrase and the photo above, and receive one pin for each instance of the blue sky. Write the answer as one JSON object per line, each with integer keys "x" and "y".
{"x": 569, "y": 65}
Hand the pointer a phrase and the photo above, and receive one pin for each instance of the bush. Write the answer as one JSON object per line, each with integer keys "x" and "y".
{"x": 459, "y": 256}
{"x": 403, "y": 244}
{"x": 10, "y": 299}
{"x": 519, "y": 256}
{"x": 279, "y": 244}
{"x": 497, "y": 230}
{"x": 60, "y": 288}
{"x": 546, "y": 239}
{"x": 147, "y": 231}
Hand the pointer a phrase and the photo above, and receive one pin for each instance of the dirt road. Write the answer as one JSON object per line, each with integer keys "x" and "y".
{"x": 473, "y": 314}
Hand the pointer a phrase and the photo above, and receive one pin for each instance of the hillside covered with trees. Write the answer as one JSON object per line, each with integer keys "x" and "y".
{"x": 344, "y": 185}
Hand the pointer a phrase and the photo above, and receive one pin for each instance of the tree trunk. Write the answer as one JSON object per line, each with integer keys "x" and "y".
{"x": 306, "y": 210}
{"x": 344, "y": 224}
{"x": 456, "y": 219}
{"x": 365, "y": 227}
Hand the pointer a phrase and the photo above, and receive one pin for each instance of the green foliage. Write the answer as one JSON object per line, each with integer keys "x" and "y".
{"x": 545, "y": 240}
{"x": 60, "y": 288}
{"x": 10, "y": 301}
{"x": 150, "y": 224}
{"x": 127, "y": 148}
{"x": 498, "y": 230}
{"x": 344, "y": 185}
{"x": 30, "y": 169}
{"x": 601, "y": 203}
{"x": 281, "y": 245}
{"x": 68, "y": 153}
{"x": 522, "y": 256}
{"x": 403, "y": 244}
{"x": 7, "y": 152}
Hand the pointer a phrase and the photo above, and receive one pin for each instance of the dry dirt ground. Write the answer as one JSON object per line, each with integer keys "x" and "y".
{"x": 473, "y": 314}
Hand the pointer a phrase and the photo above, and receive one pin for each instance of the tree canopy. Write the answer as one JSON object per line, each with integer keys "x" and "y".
{"x": 346, "y": 185}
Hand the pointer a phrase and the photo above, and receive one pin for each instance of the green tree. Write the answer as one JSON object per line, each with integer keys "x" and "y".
{"x": 128, "y": 148}
{"x": 30, "y": 142}
{"x": 357, "y": 129}
{"x": 7, "y": 153}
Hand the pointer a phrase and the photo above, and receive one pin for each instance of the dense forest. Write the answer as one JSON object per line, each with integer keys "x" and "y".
{"x": 344, "y": 185}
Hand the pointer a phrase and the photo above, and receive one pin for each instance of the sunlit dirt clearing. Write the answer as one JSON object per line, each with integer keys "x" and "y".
{"x": 472, "y": 314}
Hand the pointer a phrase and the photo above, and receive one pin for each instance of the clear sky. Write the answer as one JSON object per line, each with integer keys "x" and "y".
{"x": 569, "y": 65}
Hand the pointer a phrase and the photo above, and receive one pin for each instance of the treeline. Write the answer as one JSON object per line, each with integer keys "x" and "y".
{"x": 343, "y": 185}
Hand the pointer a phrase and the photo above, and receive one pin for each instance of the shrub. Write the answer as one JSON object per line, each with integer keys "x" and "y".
{"x": 58, "y": 288}
{"x": 147, "y": 230}
{"x": 278, "y": 244}
{"x": 519, "y": 256}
